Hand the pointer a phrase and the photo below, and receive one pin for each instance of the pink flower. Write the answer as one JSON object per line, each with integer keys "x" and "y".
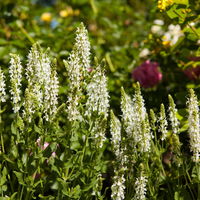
{"x": 193, "y": 73}
{"x": 43, "y": 147}
{"x": 147, "y": 74}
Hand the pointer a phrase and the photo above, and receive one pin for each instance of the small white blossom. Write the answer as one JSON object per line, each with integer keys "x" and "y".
{"x": 118, "y": 187}
{"x": 156, "y": 29}
{"x": 194, "y": 125}
{"x": 2, "y": 87}
{"x": 172, "y": 115}
{"x": 145, "y": 52}
{"x": 140, "y": 188}
{"x": 158, "y": 22}
{"x": 173, "y": 34}
{"x": 15, "y": 71}
{"x": 98, "y": 97}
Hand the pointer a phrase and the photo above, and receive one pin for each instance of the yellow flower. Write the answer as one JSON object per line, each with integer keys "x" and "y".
{"x": 69, "y": 10}
{"x": 163, "y": 4}
{"x": 76, "y": 12}
{"x": 166, "y": 43}
{"x": 64, "y": 13}
{"x": 46, "y": 17}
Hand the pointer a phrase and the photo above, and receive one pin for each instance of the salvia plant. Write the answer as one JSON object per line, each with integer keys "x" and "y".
{"x": 80, "y": 148}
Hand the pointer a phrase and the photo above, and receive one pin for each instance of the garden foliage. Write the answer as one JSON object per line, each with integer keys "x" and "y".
{"x": 80, "y": 149}
{"x": 73, "y": 126}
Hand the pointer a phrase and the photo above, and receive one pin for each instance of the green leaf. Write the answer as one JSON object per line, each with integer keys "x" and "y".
{"x": 49, "y": 197}
{"x": 184, "y": 2}
{"x": 20, "y": 178}
{"x": 3, "y": 178}
{"x": 13, "y": 197}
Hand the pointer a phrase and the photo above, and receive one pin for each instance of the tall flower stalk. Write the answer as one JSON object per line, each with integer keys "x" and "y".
{"x": 136, "y": 122}
{"x": 15, "y": 71}
{"x": 51, "y": 95}
{"x": 98, "y": 97}
{"x": 118, "y": 186}
{"x": 162, "y": 123}
{"x": 172, "y": 115}
{"x": 141, "y": 123}
{"x": 38, "y": 74}
{"x": 2, "y": 87}
{"x": 194, "y": 126}
{"x": 77, "y": 66}
{"x": 115, "y": 130}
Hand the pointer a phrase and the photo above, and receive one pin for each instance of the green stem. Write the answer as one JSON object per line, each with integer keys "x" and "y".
{"x": 198, "y": 175}
{"x": 22, "y": 191}
{"x": 186, "y": 180}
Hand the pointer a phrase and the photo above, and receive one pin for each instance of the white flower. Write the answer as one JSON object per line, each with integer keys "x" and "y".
{"x": 162, "y": 123}
{"x": 172, "y": 115}
{"x": 15, "y": 71}
{"x": 98, "y": 131}
{"x": 2, "y": 87}
{"x": 38, "y": 72}
{"x": 82, "y": 46}
{"x": 128, "y": 114}
{"x": 77, "y": 68}
{"x": 136, "y": 121}
{"x": 194, "y": 126}
{"x": 115, "y": 129}
{"x": 173, "y": 34}
{"x": 118, "y": 187}
{"x": 140, "y": 188}
{"x": 156, "y": 29}
{"x": 145, "y": 52}
{"x": 158, "y": 22}
{"x": 98, "y": 97}
{"x": 51, "y": 96}
{"x": 142, "y": 131}
{"x": 40, "y": 86}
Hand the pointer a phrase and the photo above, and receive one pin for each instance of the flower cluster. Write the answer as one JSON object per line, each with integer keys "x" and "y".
{"x": 163, "y": 123}
{"x": 2, "y": 87}
{"x": 118, "y": 187}
{"x": 77, "y": 68}
{"x": 147, "y": 74}
{"x": 194, "y": 126}
{"x": 115, "y": 130}
{"x": 98, "y": 97}
{"x": 42, "y": 90}
{"x": 172, "y": 115}
{"x": 51, "y": 95}
{"x": 172, "y": 35}
{"x": 157, "y": 27}
{"x": 136, "y": 120}
{"x": 140, "y": 188}
{"x": 163, "y": 4}
{"x": 15, "y": 71}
